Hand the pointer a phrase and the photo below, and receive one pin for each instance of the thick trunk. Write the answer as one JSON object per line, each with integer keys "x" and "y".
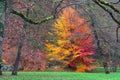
{"x": 2, "y": 9}
{"x": 7, "y": 6}
{"x": 0, "y": 57}
{"x": 16, "y": 64}
{"x": 105, "y": 61}
{"x": 106, "y": 68}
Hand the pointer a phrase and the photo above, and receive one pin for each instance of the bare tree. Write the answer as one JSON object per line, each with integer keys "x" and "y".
{"x": 112, "y": 9}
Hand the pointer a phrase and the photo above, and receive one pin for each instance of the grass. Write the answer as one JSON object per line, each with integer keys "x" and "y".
{"x": 96, "y": 74}
{"x": 60, "y": 76}
{"x": 101, "y": 70}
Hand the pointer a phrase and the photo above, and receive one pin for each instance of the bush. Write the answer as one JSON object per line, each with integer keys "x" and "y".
{"x": 6, "y": 68}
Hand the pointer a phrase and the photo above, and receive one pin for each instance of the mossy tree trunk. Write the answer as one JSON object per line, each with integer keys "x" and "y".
{"x": 2, "y": 10}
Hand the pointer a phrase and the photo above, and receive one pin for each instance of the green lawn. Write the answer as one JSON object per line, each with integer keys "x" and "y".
{"x": 60, "y": 76}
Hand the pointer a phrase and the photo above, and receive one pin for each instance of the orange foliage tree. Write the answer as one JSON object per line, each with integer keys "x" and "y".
{"x": 74, "y": 42}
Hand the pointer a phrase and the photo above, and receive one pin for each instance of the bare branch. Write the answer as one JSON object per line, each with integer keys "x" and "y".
{"x": 32, "y": 21}
{"x": 108, "y": 11}
{"x": 59, "y": 4}
{"x": 109, "y": 5}
{"x": 42, "y": 20}
{"x": 115, "y": 2}
{"x": 101, "y": 3}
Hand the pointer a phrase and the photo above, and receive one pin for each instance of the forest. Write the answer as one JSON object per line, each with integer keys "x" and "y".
{"x": 69, "y": 37}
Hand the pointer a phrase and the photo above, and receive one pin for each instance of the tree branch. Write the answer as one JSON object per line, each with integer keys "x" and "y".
{"x": 31, "y": 21}
{"x": 109, "y": 5}
{"x": 115, "y": 2}
{"x": 42, "y": 20}
{"x": 108, "y": 11}
{"x": 59, "y": 4}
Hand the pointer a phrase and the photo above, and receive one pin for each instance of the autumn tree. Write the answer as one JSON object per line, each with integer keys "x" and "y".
{"x": 7, "y": 6}
{"x": 74, "y": 42}
{"x": 20, "y": 8}
{"x": 104, "y": 18}
{"x": 102, "y": 47}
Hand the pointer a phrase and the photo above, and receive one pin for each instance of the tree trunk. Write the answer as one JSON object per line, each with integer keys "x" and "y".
{"x": 106, "y": 68}
{"x": 16, "y": 64}
{"x": 2, "y": 11}
{"x": 0, "y": 57}
{"x": 0, "y": 69}
{"x": 0, "y": 65}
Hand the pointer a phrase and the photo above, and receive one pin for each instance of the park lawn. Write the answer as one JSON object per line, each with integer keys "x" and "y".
{"x": 60, "y": 76}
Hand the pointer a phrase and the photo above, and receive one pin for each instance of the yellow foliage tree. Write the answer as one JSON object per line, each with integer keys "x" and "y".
{"x": 74, "y": 41}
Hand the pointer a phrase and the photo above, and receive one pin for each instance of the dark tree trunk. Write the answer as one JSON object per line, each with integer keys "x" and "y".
{"x": 0, "y": 69}
{"x": 0, "y": 56}
{"x": 16, "y": 64}
{"x": 1, "y": 60}
{"x": 106, "y": 68}
{"x": 105, "y": 61}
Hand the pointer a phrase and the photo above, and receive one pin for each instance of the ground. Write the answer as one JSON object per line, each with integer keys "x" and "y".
{"x": 60, "y": 76}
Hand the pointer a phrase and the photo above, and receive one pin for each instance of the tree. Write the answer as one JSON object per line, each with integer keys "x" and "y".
{"x": 74, "y": 41}
{"x": 32, "y": 22}
{"x": 104, "y": 4}
{"x": 102, "y": 47}
{"x": 9, "y": 9}
{"x": 111, "y": 8}
{"x": 3, "y": 24}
